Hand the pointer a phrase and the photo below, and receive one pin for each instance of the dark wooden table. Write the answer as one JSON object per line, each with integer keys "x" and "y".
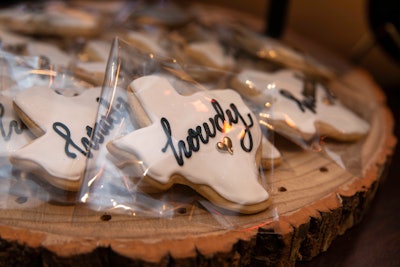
{"x": 376, "y": 240}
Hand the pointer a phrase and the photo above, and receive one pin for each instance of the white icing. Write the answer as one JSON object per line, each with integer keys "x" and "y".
{"x": 67, "y": 17}
{"x": 52, "y": 14}
{"x": 44, "y": 107}
{"x": 94, "y": 59}
{"x": 233, "y": 176}
{"x": 278, "y": 107}
{"x": 214, "y": 53}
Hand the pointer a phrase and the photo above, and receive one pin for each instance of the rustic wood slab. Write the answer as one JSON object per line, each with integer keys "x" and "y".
{"x": 314, "y": 200}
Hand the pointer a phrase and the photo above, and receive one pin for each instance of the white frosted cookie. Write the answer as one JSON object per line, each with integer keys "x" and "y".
{"x": 92, "y": 62}
{"x": 63, "y": 127}
{"x": 50, "y": 18}
{"x": 204, "y": 61}
{"x": 299, "y": 108}
{"x": 209, "y": 141}
{"x": 272, "y": 50}
{"x": 209, "y": 54}
{"x": 22, "y": 45}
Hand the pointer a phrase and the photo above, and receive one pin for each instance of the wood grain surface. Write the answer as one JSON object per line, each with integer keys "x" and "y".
{"x": 314, "y": 201}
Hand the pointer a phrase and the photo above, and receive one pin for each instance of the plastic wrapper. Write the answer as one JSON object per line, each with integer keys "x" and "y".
{"x": 189, "y": 119}
{"x": 199, "y": 149}
{"x": 295, "y": 95}
{"x": 20, "y": 73}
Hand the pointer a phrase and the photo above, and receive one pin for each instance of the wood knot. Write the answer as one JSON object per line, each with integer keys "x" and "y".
{"x": 105, "y": 217}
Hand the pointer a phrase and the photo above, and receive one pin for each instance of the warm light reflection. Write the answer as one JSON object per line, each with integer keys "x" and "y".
{"x": 272, "y": 53}
{"x": 145, "y": 172}
{"x": 120, "y": 206}
{"x": 268, "y": 125}
{"x": 264, "y": 115}
{"x": 290, "y": 122}
{"x": 241, "y": 134}
{"x": 271, "y": 86}
{"x": 167, "y": 92}
{"x": 85, "y": 197}
{"x": 256, "y": 227}
{"x": 250, "y": 84}
{"x": 199, "y": 106}
{"x": 44, "y": 72}
{"x": 98, "y": 174}
{"x": 227, "y": 127}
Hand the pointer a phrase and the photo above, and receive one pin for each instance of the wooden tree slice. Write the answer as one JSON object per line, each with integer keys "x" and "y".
{"x": 314, "y": 201}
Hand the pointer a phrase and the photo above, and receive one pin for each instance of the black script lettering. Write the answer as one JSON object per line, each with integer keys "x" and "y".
{"x": 247, "y": 132}
{"x": 97, "y": 138}
{"x": 219, "y": 118}
{"x": 63, "y": 131}
{"x": 13, "y": 127}
{"x": 86, "y": 142}
{"x": 309, "y": 90}
{"x": 193, "y": 140}
{"x": 302, "y": 104}
{"x": 95, "y": 135}
{"x": 181, "y": 145}
{"x": 106, "y": 123}
{"x": 195, "y": 137}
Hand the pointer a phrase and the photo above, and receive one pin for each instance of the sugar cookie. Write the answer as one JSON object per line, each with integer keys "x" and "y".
{"x": 209, "y": 54}
{"x": 209, "y": 141}
{"x": 92, "y": 63}
{"x": 63, "y": 127}
{"x": 50, "y": 18}
{"x": 272, "y": 50}
{"x": 299, "y": 108}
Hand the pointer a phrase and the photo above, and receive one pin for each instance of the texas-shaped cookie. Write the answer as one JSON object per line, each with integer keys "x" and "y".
{"x": 63, "y": 126}
{"x": 299, "y": 108}
{"x": 209, "y": 141}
